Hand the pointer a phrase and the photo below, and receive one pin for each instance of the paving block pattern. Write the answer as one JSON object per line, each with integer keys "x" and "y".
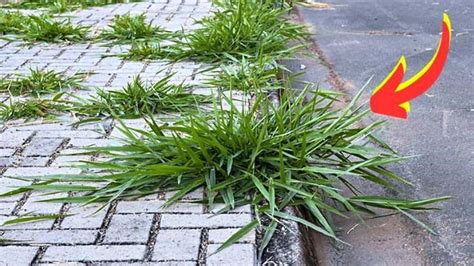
{"x": 125, "y": 232}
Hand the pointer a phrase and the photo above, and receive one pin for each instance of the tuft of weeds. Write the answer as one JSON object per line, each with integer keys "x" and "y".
{"x": 127, "y": 28}
{"x": 300, "y": 153}
{"x": 247, "y": 75}
{"x": 148, "y": 51}
{"x": 46, "y": 29}
{"x": 12, "y": 22}
{"x": 30, "y": 109}
{"x": 138, "y": 99}
{"x": 61, "y": 6}
{"x": 40, "y": 82}
{"x": 241, "y": 28}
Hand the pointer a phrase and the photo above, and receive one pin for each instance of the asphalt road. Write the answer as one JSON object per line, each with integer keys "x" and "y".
{"x": 358, "y": 39}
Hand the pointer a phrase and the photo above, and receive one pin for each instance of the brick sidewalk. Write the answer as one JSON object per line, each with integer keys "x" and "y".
{"x": 127, "y": 231}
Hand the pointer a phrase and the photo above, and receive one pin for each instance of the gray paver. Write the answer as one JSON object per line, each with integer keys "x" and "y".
{"x": 52, "y": 236}
{"x": 156, "y": 206}
{"x": 13, "y": 255}
{"x": 177, "y": 245}
{"x": 94, "y": 253}
{"x": 129, "y": 228}
{"x": 238, "y": 254}
{"x": 204, "y": 220}
{"x": 42, "y": 147}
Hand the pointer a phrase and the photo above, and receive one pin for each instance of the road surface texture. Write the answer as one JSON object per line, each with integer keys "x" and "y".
{"x": 127, "y": 231}
{"x": 357, "y": 39}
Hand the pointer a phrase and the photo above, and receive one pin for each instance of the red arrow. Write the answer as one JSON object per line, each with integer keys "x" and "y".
{"x": 391, "y": 97}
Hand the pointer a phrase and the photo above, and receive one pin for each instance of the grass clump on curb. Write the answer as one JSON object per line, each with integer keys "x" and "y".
{"x": 30, "y": 109}
{"x": 138, "y": 99}
{"x": 297, "y": 154}
{"x": 40, "y": 82}
{"x": 127, "y": 28}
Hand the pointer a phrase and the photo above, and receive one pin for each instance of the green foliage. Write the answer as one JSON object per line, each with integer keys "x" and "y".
{"x": 40, "y": 82}
{"x": 12, "y": 22}
{"x": 128, "y": 28}
{"x": 138, "y": 99}
{"x": 61, "y": 6}
{"x": 32, "y": 108}
{"x": 241, "y": 28}
{"x": 149, "y": 50}
{"x": 299, "y": 154}
{"x": 247, "y": 75}
{"x": 46, "y": 29}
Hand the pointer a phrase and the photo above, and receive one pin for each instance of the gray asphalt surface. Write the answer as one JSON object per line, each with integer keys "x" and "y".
{"x": 358, "y": 39}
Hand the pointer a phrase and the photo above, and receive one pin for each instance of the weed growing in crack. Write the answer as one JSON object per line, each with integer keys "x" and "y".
{"x": 138, "y": 99}
{"x": 30, "y": 109}
{"x": 40, "y": 82}
{"x": 12, "y": 22}
{"x": 129, "y": 28}
{"x": 247, "y": 75}
{"x": 61, "y": 6}
{"x": 241, "y": 28}
{"x": 297, "y": 154}
{"x": 149, "y": 51}
{"x": 47, "y": 29}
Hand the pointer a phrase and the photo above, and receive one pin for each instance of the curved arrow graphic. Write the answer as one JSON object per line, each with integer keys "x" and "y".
{"x": 391, "y": 97}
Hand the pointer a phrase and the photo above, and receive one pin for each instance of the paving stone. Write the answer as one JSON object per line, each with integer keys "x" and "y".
{"x": 52, "y": 236}
{"x": 67, "y": 160}
{"x": 34, "y": 161}
{"x": 156, "y": 206}
{"x": 11, "y": 138}
{"x": 217, "y": 236}
{"x": 43, "y": 224}
{"x": 7, "y": 152}
{"x": 42, "y": 147}
{"x": 238, "y": 254}
{"x": 18, "y": 255}
{"x": 177, "y": 245}
{"x": 129, "y": 228}
{"x": 40, "y": 171}
{"x": 84, "y": 217}
{"x": 204, "y": 220}
{"x": 6, "y": 207}
{"x": 9, "y": 184}
{"x": 94, "y": 253}
{"x": 85, "y": 134}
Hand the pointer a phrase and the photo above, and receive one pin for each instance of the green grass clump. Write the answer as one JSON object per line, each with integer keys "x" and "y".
{"x": 241, "y": 28}
{"x": 138, "y": 99}
{"x": 40, "y": 82}
{"x": 247, "y": 75}
{"x": 30, "y": 109}
{"x": 297, "y": 154}
{"x": 12, "y": 22}
{"x": 61, "y": 6}
{"x": 149, "y": 51}
{"x": 46, "y": 29}
{"x": 129, "y": 28}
